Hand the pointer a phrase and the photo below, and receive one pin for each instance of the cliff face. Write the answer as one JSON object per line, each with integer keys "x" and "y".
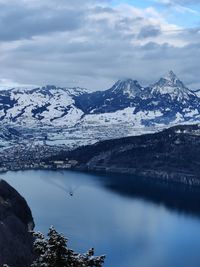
{"x": 15, "y": 222}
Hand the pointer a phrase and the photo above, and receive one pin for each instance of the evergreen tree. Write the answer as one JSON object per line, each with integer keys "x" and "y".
{"x": 53, "y": 252}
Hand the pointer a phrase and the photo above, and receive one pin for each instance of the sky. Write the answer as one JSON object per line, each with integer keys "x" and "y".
{"x": 93, "y": 43}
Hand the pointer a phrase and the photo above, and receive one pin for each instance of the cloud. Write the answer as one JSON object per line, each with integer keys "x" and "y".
{"x": 186, "y": 2}
{"x": 179, "y": 2}
{"x": 182, "y": 6}
{"x": 19, "y": 21}
{"x": 91, "y": 44}
{"x": 7, "y": 84}
{"x": 149, "y": 31}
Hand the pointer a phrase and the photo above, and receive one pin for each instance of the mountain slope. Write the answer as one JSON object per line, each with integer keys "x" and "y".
{"x": 173, "y": 154}
{"x": 125, "y": 109}
{"x": 123, "y": 94}
{"x": 170, "y": 85}
{"x": 166, "y": 102}
{"x": 43, "y": 106}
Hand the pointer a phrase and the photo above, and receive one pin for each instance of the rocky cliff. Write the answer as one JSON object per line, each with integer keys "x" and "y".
{"x": 15, "y": 222}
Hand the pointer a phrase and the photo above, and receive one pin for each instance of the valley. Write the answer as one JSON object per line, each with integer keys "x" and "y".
{"x": 128, "y": 129}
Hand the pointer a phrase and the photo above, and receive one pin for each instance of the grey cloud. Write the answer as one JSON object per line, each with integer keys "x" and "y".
{"x": 99, "y": 63}
{"x": 99, "y": 10}
{"x": 76, "y": 48}
{"x": 149, "y": 31}
{"x": 124, "y": 24}
{"x": 22, "y": 22}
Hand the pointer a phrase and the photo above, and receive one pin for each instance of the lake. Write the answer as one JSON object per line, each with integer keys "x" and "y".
{"x": 136, "y": 224}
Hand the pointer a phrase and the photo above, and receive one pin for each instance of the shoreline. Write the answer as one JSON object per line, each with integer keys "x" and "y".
{"x": 150, "y": 175}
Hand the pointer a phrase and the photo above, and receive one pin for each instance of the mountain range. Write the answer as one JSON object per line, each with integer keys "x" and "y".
{"x": 126, "y": 104}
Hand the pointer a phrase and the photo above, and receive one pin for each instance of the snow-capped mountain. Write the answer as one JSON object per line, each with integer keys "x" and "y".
{"x": 170, "y": 85}
{"x": 127, "y": 108}
{"x": 123, "y": 94}
{"x": 41, "y": 106}
{"x": 167, "y": 101}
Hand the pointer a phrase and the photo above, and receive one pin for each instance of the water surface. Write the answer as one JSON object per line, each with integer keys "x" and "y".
{"x": 134, "y": 224}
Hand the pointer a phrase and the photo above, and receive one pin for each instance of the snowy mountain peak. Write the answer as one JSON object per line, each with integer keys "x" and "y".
{"x": 125, "y": 104}
{"x": 173, "y": 87}
{"x": 128, "y": 87}
{"x": 171, "y": 76}
{"x": 170, "y": 79}
{"x": 50, "y": 90}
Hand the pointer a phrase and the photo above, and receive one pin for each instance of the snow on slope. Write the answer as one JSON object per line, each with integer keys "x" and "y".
{"x": 122, "y": 116}
{"x": 42, "y": 106}
{"x": 197, "y": 92}
{"x": 171, "y": 85}
{"x": 165, "y": 103}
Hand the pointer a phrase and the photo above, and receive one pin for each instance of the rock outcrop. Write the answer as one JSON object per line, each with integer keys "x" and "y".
{"x": 15, "y": 222}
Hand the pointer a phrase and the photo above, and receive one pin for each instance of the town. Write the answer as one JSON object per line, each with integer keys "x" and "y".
{"x": 27, "y": 156}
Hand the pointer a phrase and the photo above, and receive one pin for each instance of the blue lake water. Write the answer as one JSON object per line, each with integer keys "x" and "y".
{"x": 134, "y": 225}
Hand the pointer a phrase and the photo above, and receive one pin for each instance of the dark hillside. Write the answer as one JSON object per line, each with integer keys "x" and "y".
{"x": 173, "y": 154}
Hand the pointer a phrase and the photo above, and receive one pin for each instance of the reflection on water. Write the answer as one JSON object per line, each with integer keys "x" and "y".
{"x": 179, "y": 197}
{"x": 137, "y": 224}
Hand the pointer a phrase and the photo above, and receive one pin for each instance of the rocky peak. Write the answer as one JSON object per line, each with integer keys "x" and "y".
{"x": 128, "y": 87}
{"x": 171, "y": 76}
{"x": 171, "y": 85}
{"x": 170, "y": 79}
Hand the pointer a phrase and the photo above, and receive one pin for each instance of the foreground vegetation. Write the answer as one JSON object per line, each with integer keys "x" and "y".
{"x": 53, "y": 251}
